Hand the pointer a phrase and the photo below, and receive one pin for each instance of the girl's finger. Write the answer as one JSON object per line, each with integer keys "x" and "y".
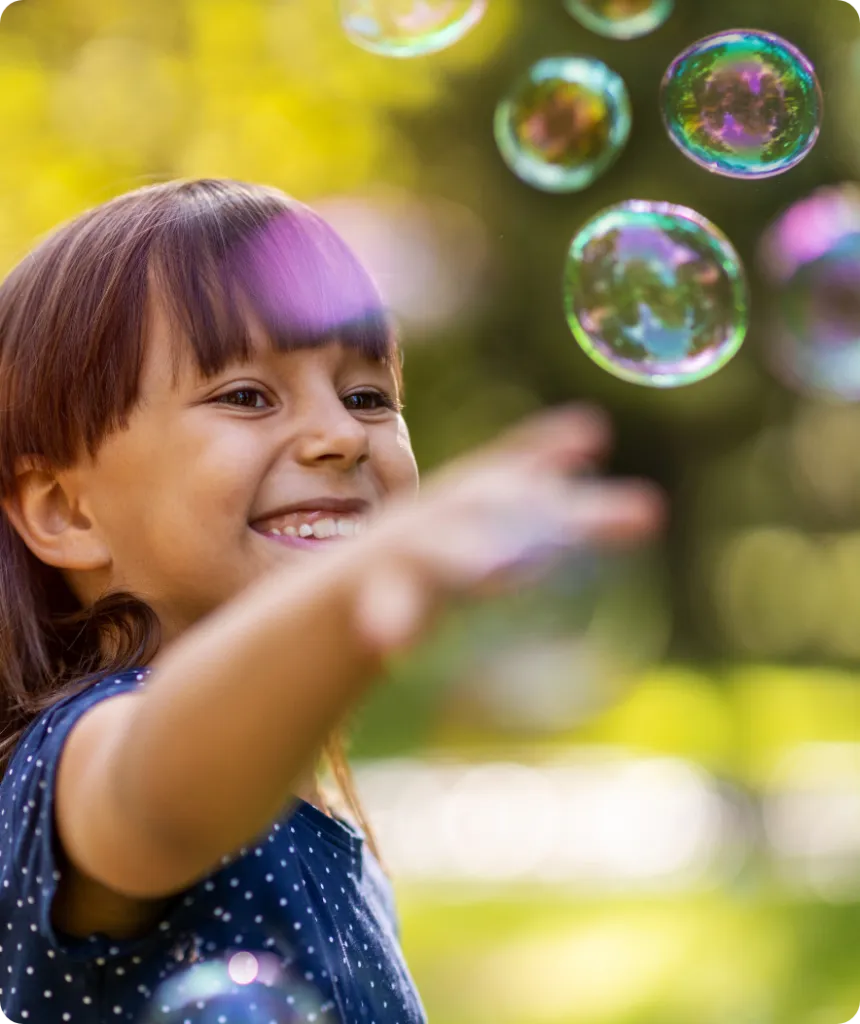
{"x": 615, "y": 511}
{"x": 557, "y": 440}
{"x": 594, "y": 515}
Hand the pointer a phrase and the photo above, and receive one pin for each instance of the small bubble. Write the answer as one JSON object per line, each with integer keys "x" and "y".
{"x": 621, "y": 19}
{"x": 810, "y": 257}
{"x": 744, "y": 104}
{"x": 655, "y": 294}
{"x": 409, "y": 28}
{"x": 563, "y": 123}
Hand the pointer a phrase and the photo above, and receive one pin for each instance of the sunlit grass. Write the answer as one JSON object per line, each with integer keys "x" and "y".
{"x": 543, "y": 957}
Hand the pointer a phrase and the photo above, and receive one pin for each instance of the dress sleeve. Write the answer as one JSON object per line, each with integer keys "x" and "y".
{"x": 31, "y": 862}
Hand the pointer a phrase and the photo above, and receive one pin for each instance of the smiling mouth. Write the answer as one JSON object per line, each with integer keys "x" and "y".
{"x": 312, "y": 527}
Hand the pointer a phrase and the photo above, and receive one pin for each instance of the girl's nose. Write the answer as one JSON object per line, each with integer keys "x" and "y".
{"x": 332, "y": 434}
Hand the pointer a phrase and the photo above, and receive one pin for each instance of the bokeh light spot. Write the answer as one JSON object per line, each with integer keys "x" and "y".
{"x": 243, "y": 968}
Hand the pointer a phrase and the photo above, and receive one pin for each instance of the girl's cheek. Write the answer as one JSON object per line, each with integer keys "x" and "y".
{"x": 404, "y": 446}
{"x": 404, "y": 441}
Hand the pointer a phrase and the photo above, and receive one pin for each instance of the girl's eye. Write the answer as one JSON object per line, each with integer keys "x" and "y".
{"x": 241, "y": 391}
{"x": 356, "y": 402}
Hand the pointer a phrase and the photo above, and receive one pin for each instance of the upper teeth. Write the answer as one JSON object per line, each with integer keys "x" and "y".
{"x": 321, "y": 529}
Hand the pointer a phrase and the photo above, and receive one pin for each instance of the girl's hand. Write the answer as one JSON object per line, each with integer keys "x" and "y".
{"x": 497, "y": 518}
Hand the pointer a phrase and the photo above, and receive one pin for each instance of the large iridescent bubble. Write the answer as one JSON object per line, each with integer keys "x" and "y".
{"x": 238, "y": 988}
{"x": 621, "y": 19}
{"x": 744, "y": 104}
{"x": 563, "y": 123}
{"x": 655, "y": 294}
{"x": 810, "y": 256}
{"x": 409, "y": 28}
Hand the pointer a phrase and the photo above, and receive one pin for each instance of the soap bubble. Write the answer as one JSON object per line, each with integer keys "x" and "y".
{"x": 409, "y": 28}
{"x": 744, "y": 104}
{"x": 563, "y": 123}
{"x": 621, "y": 19}
{"x": 239, "y": 988}
{"x": 810, "y": 256}
{"x": 655, "y": 294}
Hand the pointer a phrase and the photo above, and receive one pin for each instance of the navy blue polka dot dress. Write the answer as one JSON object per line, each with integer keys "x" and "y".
{"x": 309, "y": 892}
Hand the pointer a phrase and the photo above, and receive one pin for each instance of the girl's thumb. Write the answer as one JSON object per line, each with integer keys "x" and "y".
{"x": 391, "y": 608}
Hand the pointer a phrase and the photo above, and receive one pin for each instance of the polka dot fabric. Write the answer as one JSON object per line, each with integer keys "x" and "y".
{"x": 309, "y": 891}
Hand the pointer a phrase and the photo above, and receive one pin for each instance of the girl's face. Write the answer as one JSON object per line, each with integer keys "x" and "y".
{"x": 173, "y": 497}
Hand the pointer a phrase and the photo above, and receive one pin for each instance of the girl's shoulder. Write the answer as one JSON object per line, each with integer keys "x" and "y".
{"x": 50, "y": 726}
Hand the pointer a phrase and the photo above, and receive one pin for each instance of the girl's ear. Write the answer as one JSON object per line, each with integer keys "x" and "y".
{"x": 45, "y": 513}
{"x": 31, "y": 509}
{"x": 12, "y": 505}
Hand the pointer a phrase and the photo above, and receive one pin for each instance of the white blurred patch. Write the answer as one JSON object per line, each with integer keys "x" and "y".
{"x": 428, "y": 256}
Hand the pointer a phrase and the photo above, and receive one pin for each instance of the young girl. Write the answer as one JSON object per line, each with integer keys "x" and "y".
{"x": 201, "y": 424}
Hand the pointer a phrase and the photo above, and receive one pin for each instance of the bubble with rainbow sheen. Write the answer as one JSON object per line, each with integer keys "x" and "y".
{"x": 409, "y": 28}
{"x": 810, "y": 259}
{"x": 621, "y": 19}
{"x": 744, "y": 104}
{"x": 239, "y": 987}
{"x": 563, "y": 123}
{"x": 655, "y": 294}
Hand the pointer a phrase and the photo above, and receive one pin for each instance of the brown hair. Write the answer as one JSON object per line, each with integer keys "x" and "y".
{"x": 73, "y": 319}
